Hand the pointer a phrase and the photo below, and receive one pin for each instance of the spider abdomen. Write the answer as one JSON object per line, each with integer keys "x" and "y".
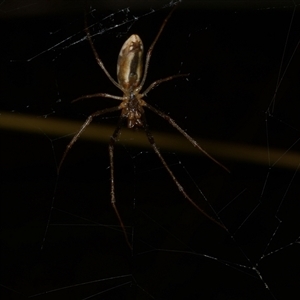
{"x": 130, "y": 65}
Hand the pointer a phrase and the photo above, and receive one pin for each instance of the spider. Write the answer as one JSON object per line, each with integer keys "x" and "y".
{"x": 131, "y": 79}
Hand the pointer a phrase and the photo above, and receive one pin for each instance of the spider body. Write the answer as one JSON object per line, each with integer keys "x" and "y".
{"x": 131, "y": 79}
{"x": 129, "y": 73}
{"x": 130, "y": 63}
{"x": 132, "y": 110}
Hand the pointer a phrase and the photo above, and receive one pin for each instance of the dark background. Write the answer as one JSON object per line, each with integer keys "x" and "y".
{"x": 234, "y": 54}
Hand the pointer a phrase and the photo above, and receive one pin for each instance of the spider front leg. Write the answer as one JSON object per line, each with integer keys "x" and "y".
{"x": 111, "y": 146}
{"x": 82, "y": 128}
{"x": 189, "y": 138}
{"x": 98, "y": 95}
{"x": 181, "y": 189}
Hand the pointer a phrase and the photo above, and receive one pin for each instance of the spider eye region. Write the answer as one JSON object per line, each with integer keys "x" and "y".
{"x": 130, "y": 63}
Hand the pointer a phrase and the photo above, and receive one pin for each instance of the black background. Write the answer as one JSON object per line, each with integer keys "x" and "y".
{"x": 233, "y": 54}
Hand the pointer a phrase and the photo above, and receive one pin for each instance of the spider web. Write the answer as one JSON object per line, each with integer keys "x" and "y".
{"x": 60, "y": 238}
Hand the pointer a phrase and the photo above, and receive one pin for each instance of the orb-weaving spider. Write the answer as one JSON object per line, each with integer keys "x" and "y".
{"x": 131, "y": 80}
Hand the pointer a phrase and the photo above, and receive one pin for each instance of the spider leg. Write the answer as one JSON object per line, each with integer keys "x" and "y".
{"x": 98, "y": 95}
{"x": 82, "y": 128}
{"x": 181, "y": 189}
{"x": 112, "y": 142}
{"x": 149, "y": 53}
{"x": 99, "y": 61}
{"x": 189, "y": 138}
{"x": 157, "y": 82}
